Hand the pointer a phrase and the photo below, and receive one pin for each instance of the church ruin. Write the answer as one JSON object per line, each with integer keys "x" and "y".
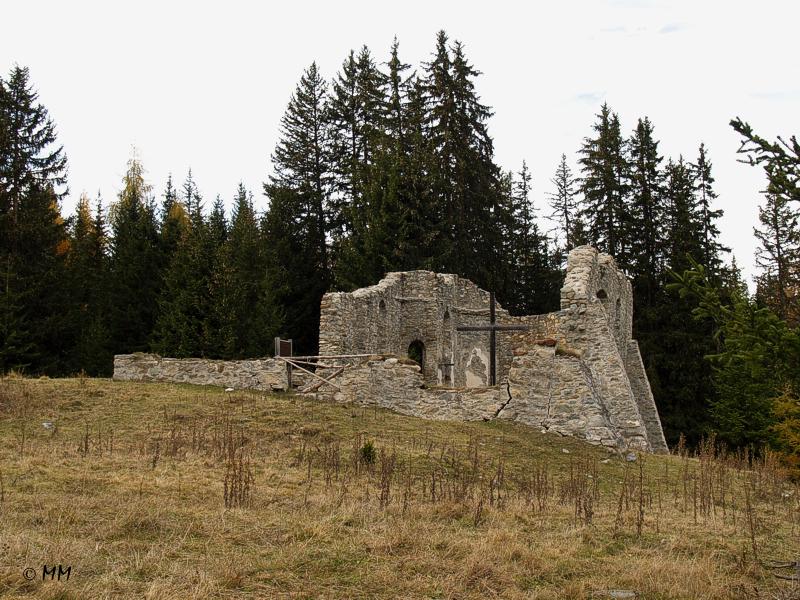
{"x": 575, "y": 372}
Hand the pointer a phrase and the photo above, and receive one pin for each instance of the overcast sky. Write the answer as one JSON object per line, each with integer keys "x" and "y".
{"x": 204, "y": 85}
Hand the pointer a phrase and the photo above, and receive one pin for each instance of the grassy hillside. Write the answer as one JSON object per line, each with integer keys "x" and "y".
{"x": 169, "y": 491}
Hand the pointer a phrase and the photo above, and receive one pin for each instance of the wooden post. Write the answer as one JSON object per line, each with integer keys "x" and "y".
{"x": 284, "y": 348}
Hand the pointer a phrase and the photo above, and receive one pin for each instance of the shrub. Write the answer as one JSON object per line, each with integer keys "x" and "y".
{"x": 367, "y": 453}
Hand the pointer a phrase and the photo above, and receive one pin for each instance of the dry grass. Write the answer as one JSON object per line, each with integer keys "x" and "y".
{"x": 168, "y": 491}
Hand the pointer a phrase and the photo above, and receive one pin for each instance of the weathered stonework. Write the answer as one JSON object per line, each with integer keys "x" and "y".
{"x": 416, "y": 306}
{"x": 260, "y": 374}
{"x": 398, "y": 384}
{"x": 576, "y": 371}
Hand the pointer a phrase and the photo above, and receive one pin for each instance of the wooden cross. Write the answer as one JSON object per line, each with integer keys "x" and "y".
{"x": 493, "y": 328}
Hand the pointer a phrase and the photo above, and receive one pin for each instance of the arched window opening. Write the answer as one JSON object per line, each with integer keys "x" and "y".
{"x": 602, "y": 294}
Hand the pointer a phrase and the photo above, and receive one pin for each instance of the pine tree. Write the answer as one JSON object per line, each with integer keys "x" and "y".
{"x": 564, "y": 205}
{"x": 297, "y": 221}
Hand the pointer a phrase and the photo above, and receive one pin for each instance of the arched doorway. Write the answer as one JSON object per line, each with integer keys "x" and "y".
{"x": 416, "y": 352}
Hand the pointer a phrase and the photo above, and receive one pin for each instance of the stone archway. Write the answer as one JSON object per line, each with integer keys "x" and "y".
{"x": 416, "y": 352}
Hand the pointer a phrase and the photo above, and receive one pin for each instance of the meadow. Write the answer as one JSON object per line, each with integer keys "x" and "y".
{"x": 176, "y": 492}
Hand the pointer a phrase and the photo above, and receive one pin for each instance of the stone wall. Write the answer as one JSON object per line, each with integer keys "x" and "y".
{"x": 416, "y": 306}
{"x": 576, "y": 371}
{"x": 398, "y": 384}
{"x": 644, "y": 398}
{"x": 589, "y": 382}
{"x": 594, "y": 326}
{"x": 258, "y": 374}
{"x": 556, "y": 391}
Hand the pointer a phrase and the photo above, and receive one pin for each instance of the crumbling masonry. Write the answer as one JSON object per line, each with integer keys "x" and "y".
{"x": 575, "y": 372}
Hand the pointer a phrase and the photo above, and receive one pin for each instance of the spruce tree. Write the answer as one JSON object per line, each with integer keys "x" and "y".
{"x": 184, "y": 302}
{"x": 356, "y": 110}
{"x": 534, "y": 282}
{"x": 778, "y": 256}
{"x": 419, "y": 216}
{"x": 564, "y": 204}
{"x": 604, "y": 187}
{"x": 297, "y": 221}
{"x": 33, "y": 236}
{"x": 647, "y": 211}
{"x": 465, "y": 179}
{"x": 245, "y": 318}
{"x": 780, "y": 159}
{"x": 88, "y": 272}
{"x": 30, "y": 157}
{"x": 135, "y": 278}
{"x": 673, "y": 344}
{"x": 684, "y": 219}
{"x": 712, "y": 250}
{"x": 173, "y": 219}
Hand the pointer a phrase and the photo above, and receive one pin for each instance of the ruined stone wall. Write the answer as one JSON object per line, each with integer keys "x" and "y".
{"x": 259, "y": 374}
{"x": 644, "y": 398}
{"x": 576, "y": 371}
{"x": 594, "y": 326}
{"x": 556, "y": 391}
{"x": 416, "y": 305}
{"x": 589, "y": 382}
{"x": 398, "y": 384}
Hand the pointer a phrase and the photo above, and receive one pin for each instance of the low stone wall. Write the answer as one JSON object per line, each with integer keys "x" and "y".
{"x": 258, "y": 374}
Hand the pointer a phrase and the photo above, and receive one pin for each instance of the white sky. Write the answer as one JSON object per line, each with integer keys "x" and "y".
{"x": 204, "y": 85}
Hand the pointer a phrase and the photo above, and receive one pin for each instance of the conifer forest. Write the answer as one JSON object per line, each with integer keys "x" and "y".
{"x": 384, "y": 166}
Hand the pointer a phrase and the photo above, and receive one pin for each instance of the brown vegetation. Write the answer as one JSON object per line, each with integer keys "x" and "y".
{"x": 166, "y": 491}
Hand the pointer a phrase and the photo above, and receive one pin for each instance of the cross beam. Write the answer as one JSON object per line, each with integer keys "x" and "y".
{"x": 493, "y": 328}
